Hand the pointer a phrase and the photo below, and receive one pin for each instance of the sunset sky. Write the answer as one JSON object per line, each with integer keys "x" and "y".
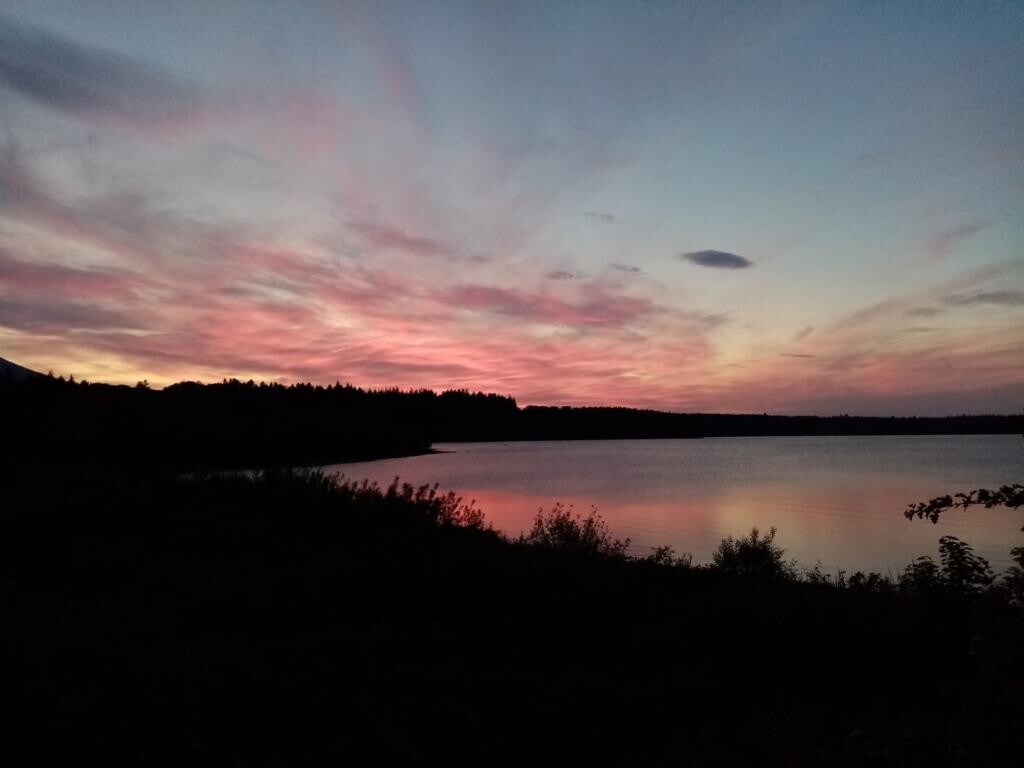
{"x": 790, "y": 207}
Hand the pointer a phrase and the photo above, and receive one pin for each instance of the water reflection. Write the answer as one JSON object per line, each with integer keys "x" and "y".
{"x": 835, "y": 501}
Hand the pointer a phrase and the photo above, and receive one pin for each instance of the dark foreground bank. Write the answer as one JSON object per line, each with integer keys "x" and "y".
{"x": 286, "y": 620}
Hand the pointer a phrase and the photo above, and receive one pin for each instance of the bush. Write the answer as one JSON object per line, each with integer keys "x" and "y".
{"x": 1013, "y": 581}
{"x": 667, "y": 556}
{"x": 753, "y": 555}
{"x": 444, "y": 509}
{"x": 921, "y": 576}
{"x": 564, "y": 530}
{"x": 961, "y": 571}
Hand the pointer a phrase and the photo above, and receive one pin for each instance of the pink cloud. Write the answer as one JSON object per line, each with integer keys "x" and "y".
{"x": 48, "y": 280}
{"x": 596, "y": 306}
{"x": 381, "y": 236}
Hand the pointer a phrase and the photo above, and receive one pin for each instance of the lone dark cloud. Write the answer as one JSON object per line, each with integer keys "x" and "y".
{"x": 563, "y": 274}
{"x": 85, "y": 81}
{"x": 795, "y": 354}
{"x": 718, "y": 259}
{"x": 604, "y": 218}
{"x": 625, "y": 267}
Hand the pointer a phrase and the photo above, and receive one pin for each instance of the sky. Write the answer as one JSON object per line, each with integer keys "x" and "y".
{"x": 792, "y": 207}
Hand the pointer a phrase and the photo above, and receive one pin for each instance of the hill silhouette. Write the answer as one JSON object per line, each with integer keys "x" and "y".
{"x": 16, "y": 373}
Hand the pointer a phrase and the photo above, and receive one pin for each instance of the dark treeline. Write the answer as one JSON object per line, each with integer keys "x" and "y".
{"x": 236, "y": 424}
{"x": 545, "y": 423}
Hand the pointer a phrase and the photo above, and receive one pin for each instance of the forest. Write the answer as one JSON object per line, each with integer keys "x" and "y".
{"x": 235, "y": 424}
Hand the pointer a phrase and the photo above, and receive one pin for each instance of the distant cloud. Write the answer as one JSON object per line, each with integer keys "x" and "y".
{"x": 711, "y": 320}
{"x": 55, "y": 317}
{"x": 794, "y": 354}
{"x": 873, "y": 158}
{"x": 625, "y": 267}
{"x": 596, "y": 308}
{"x": 85, "y": 81}
{"x": 803, "y": 333}
{"x": 925, "y": 311}
{"x": 604, "y": 218}
{"x": 562, "y": 274}
{"x": 717, "y": 259}
{"x": 392, "y": 238}
{"x": 1002, "y": 298}
{"x": 944, "y": 242}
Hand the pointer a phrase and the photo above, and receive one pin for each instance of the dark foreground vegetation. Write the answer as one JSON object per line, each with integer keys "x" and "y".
{"x": 287, "y": 619}
{"x": 243, "y": 424}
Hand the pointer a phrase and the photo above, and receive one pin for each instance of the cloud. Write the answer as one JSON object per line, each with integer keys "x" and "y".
{"x": 604, "y": 218}
{"x": 794, "y": 354}
{"x": 803, "y": 333}
{"x": 23, "y": 278}
{"x": 875, "y": 158}
{"x": 55, "y": 317}
{"x": 1002, "y": 298}
{"x": 562, "y": 274}
{"x": 597, "y": 307}
{"x": 124, "y": 225}
{"x": 708, "y": 320}
{"x": 89, "y": 82}
{"x": 717, "y": 259}
{"x": 944, "y": 242}
{"x": 391, "y": 238}
{"x": 625, "y": 267}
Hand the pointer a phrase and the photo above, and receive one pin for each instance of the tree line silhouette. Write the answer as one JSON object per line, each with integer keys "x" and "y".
{"x": 238, "y": 424}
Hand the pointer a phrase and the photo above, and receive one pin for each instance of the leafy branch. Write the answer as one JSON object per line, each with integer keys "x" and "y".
{"x": 1011, "y": 496}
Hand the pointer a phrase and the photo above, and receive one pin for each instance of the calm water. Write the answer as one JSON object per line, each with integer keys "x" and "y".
{"x": 837, "y": 501}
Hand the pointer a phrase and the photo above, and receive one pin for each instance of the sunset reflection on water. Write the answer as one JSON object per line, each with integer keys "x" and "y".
{"x": 836, "y": 501}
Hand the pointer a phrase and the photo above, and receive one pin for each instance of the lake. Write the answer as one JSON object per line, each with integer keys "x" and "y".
{"x": 836, "y": 501}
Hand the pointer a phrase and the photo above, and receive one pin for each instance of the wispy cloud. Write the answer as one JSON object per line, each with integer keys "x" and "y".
{"x": 717, "y": 259}
{"x": 596, "y": 307}
{"x": 564, "y": 274}
{"x": 54, "y": 317}
{"x": 604, "y": 218}
{"x": 803, "y": 333}
{"x": 89, "y": 82}
{"x": 1002, "y": 298}
{"x": 41, "y": 280}
{"x": 383, "y": 236}
{"x": 878, "y": 157}
{"x": 925, "y": 311}
{"x": 625, "y": 267}
{"x": 942, "y": 244}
